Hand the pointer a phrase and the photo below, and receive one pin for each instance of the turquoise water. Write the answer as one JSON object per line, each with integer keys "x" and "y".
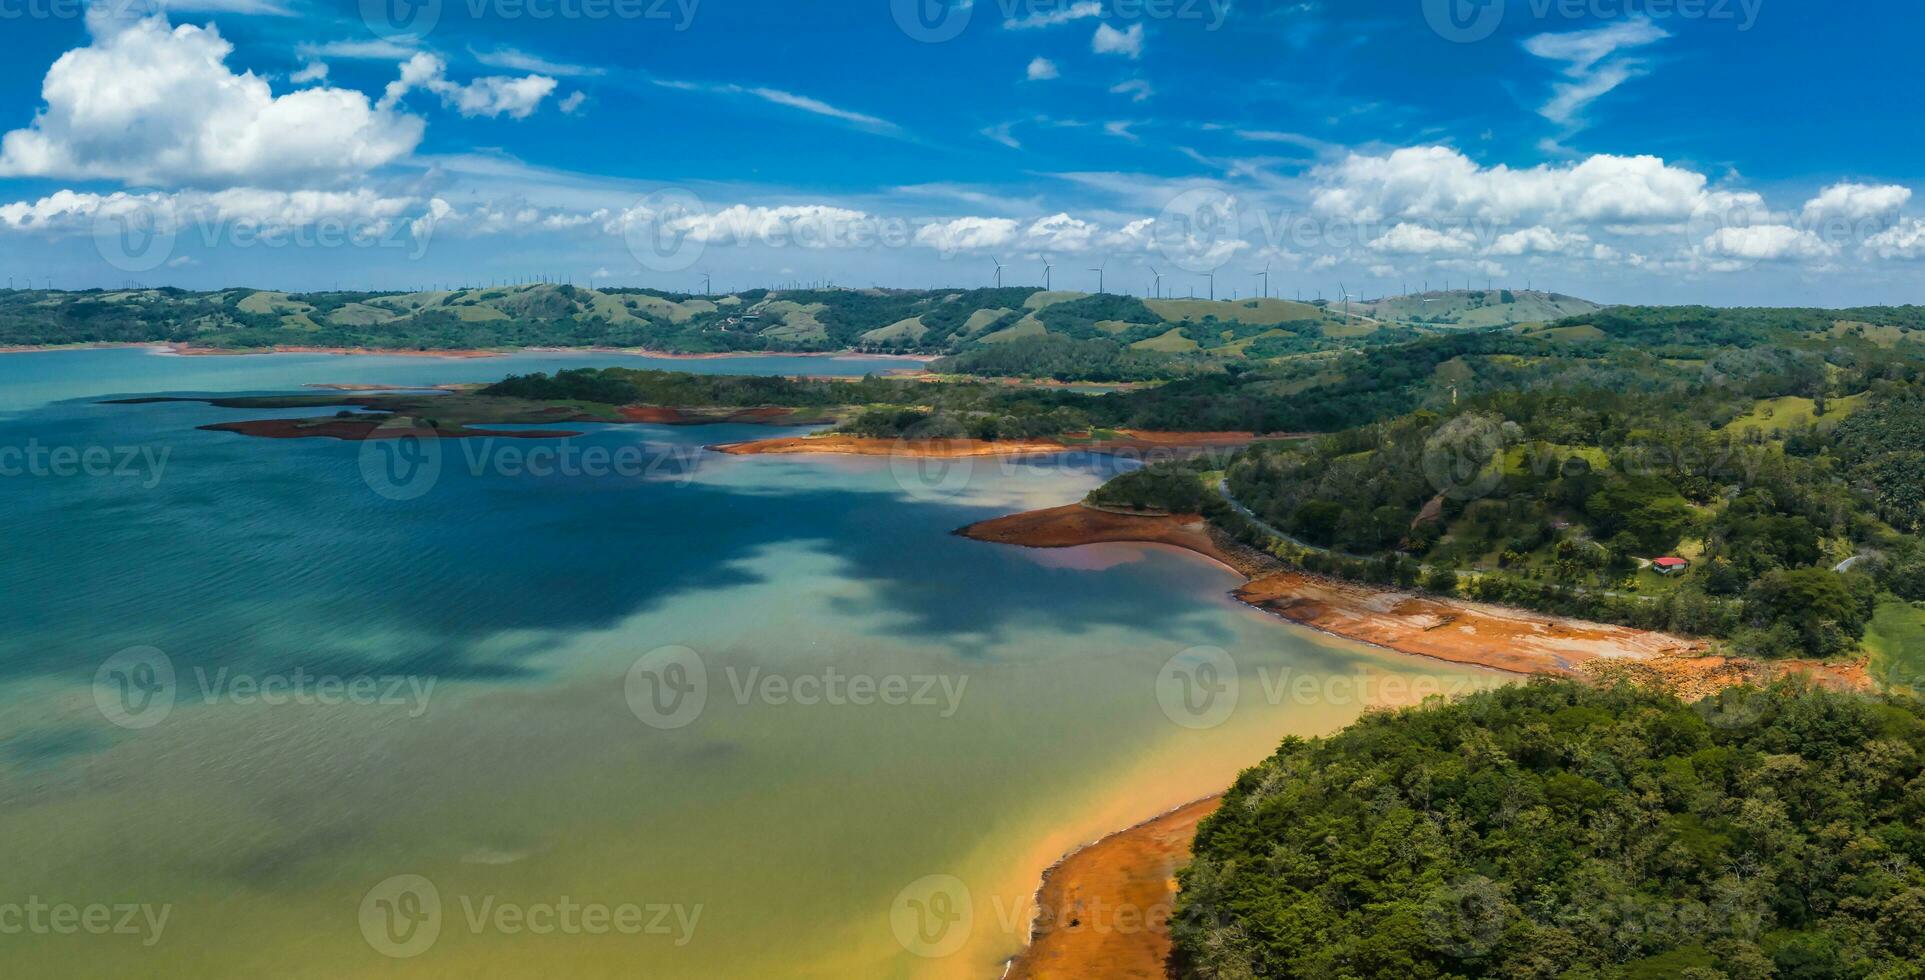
{"x": 523, "y": 644}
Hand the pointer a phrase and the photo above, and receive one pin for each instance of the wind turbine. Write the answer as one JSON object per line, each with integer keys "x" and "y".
{"x": 708, "y": 285}
{"x": 1266, "y": 280}
{"x": 1099, "y": 275}
{"x": 1046, "y": 268}
{"x": 1159, "y": 282}
{"x": 1212, "y": 275}
{"x": 1345, "y": 292}
{"x": 999, "y": 271}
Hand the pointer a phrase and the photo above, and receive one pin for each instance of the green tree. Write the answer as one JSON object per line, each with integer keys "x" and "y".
{"x": 1825, "y": 611}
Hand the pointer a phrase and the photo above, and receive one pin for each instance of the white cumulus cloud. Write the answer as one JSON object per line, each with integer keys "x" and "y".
{"x": 492, "y": 95}
{"x": 145, "y": 102}
{"x": 1053, "y": 17}
{"x": 1763, "y": 243}
{"x": 1440, "y": 184}
{"x": 1109, "y": 40}
{"x": 968, "y": 234}
{"x": 1537, "y": 240}
{"x": 1857, "y": 202}
{"x": 1413, "y": 239}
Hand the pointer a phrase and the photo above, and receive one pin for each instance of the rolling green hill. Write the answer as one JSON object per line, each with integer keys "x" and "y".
{"x": 1468, "y": 308}
{"x": 933, "y": 322}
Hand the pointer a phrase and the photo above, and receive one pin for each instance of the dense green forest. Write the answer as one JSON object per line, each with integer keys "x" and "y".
{"x": 1779, "y": 453}
{"x": 1559, "y": 830}
{"x": 877, "y": 407}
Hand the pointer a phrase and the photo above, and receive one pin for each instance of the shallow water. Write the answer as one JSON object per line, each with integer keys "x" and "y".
{"x": 736, "y": 711}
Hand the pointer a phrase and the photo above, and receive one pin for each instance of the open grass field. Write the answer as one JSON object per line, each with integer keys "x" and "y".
{"x": 1172, "y": 342}
{"x": 1028, "y": 326}
{"x": 1884, "y": 336}
{"x": 1777, "y": 414}
{"x": 1256, "y": 312}
{"x": 1896, "y": 642}
{"x": 1576, "y": 334}
{"x": 1474, "y": 308}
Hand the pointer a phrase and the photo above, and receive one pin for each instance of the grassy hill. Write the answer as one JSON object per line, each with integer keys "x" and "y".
{"x": 1471, "y": 308}
{"x": 932, "y": 322}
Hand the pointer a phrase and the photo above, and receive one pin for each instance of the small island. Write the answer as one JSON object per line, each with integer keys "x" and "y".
{"x": 868, "y": 416}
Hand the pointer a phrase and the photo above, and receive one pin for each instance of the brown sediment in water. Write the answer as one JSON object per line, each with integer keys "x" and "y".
{"x": 1127, "y": 440}
{"x": 362, "y": 430}
{"x": 1105, "y": 909}
{"x": 189, "y": 350}
{"x": 659, "y": 415}
{"x": 860, "y": 446}
{"x": 194, "y": 350}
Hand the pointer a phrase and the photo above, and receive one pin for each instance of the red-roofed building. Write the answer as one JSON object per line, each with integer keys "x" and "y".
{"x": 1670, "y": 566}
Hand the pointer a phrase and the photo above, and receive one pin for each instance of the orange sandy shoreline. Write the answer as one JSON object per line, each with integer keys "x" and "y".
{"x": 1135, "y": 868}
{"x": 1453, "y": 630}
{"x": 1104, "y": 909}
{"x": 1131, "y": 440}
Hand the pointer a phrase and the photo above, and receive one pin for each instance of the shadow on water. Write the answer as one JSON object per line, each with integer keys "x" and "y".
{"x": 226, "y": 551}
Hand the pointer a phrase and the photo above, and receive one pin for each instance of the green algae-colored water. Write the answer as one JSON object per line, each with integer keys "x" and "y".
{"x": 713, "y": 717}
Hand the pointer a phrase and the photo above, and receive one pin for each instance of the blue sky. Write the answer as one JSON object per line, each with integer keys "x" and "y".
{"x": 1722, "y": 151}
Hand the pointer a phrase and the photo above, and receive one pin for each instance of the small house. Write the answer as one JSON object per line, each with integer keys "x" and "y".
{"x": 1670, "y": 566}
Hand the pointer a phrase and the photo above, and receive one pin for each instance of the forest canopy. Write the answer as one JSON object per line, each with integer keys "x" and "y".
{"x": 1559, "y": 830}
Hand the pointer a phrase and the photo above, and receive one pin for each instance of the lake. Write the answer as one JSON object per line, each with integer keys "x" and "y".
{"x": 628, "y": 709}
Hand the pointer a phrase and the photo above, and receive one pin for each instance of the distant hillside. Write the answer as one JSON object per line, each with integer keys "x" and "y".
{"x": 1471, "y": 308}
{"x": 911, "y": 321}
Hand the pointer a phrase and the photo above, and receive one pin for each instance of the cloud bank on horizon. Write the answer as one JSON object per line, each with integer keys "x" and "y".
{"x": 1619, "y": 154}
